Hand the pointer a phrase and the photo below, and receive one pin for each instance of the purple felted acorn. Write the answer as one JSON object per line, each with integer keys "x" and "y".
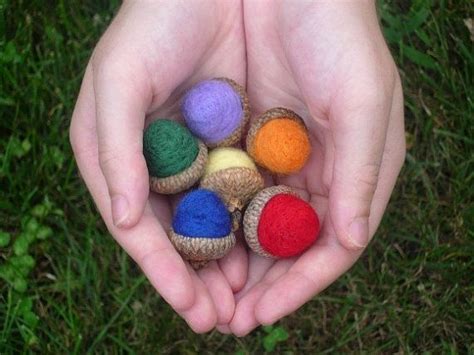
{"x": 216, "y": 111}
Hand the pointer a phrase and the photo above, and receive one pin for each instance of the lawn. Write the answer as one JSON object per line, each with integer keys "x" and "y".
{"x": 66, "y": 287}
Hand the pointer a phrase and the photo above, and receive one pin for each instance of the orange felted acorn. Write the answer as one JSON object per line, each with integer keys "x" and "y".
{"x": 278, "y": 141}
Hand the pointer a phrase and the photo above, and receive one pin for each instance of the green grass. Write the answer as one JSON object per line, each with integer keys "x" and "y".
{"x": 66, "y": 287}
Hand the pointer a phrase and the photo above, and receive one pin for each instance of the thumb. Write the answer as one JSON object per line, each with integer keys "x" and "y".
{"x": 359, "y": 132}
{"x": 121, "y": 104}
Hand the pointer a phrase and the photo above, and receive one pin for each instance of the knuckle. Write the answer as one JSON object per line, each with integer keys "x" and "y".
{"x": 123, "y": 164}
{"x": 376, "y": 88}
{"x": 82, "y": 145}
{"x": 108, "y": 158}
{"x": 375, "y": 94}
{"x": 327, "y": 180}
{"x": 108, "y": 62}
{"x": 107, "y": 67}
{"x": 148, "y": 257}
{"x": 366, "y": 179}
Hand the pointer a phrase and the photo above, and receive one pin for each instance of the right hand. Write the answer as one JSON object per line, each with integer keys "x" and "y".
{"x": 150, "y": 54}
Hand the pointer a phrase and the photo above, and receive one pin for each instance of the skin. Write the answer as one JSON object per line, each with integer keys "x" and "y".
{"x": 325, "y": 60}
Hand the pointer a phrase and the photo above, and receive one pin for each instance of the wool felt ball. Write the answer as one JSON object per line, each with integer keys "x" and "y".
{"x": 278, "y": 141}
{"x": 174, "y": 157}
{"x": 279, "y": 224}
{"x": 216, "y": 111}
{"x": 201, "y": 229}
{"x": 225, "y": 158}
{"x": 232, "y": 174}
{"x": 202, "y": 214}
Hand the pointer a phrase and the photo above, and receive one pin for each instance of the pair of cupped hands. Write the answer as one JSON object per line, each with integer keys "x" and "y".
{"x": 327, "y": 61}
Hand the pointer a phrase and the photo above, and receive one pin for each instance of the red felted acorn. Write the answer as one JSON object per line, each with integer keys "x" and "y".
{"x": 279, "y": 224}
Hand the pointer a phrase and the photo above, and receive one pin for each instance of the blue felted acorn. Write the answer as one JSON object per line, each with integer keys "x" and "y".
{"x": 202, "y": 228}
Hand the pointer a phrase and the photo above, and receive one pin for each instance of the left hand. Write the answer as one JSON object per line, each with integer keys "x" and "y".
{"x": 329, "y": 63}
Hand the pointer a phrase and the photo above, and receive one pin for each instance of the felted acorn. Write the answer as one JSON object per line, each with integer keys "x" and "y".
{"x": 201, "y": 229}
{"x": 233, "y": 175}
{"x": 278, "y": 141}
{"x": 216, "y": 111}
{"x": 174, "y": 157}
{"x": 279, "y": 224}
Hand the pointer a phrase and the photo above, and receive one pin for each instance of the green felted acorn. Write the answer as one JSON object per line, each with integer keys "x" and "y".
{"x": 174, "y": 157}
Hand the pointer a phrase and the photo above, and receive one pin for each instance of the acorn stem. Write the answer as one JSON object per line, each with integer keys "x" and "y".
{"x": 198, "y": 264}
{"x": 236, "y": 218}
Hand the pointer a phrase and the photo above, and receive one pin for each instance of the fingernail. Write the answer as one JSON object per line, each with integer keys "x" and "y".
{"x": 119, "y": 210}
{"x": 359, "y": 232}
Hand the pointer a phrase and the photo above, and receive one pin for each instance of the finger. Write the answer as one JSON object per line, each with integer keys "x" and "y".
{"x": 122, "y": 94}
{"x": 257, "y": 267}
{"x": 219, "y": 290}
{"x": 223, "y": 328}
{"x": 202, "y": 316}
{"x": 146, "y": 243}
{"x": 392, "y": 161}
{"x": 244, "y": 319}
{"x": 310, "y": 274}
{"x": 234, "y": 266}
{"x": 217, "y": 287}
{"x": 359, "y": 128}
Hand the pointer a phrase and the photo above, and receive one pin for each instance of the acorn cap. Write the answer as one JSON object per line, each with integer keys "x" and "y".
{"x": 253, "y": 212}
{"x": 236, "y": 186}
{"x": 237, "y": 134}
{"x": 199, "y": 251}
{"x": 184, "y": 179}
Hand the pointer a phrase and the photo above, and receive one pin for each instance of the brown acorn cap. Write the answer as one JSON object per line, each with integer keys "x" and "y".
{"x": 253, "y": 212}
{"x": 237, "y": 134}
{"x": 183, "y": 180}
{"x": 272, "y": 114}
{"x": 199, "y": 251}
{"x": 236, "y": 186}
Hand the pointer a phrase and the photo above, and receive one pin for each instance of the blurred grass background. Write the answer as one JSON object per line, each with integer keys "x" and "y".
{"x": 66, "y": 287}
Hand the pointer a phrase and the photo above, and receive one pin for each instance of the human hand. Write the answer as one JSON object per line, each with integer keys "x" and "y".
{"x": 150, "y": 54}
{"x": 328, "y": 62}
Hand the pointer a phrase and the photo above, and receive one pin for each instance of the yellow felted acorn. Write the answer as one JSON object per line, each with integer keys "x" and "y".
{"x": 233, "y": 175}
{"x": 279, "y": 224}
{"x": 216, "y": 111}
{"x": 201, "y": 229}
{"x": 278, "y": 141}
{"x": 174, "y": 157}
